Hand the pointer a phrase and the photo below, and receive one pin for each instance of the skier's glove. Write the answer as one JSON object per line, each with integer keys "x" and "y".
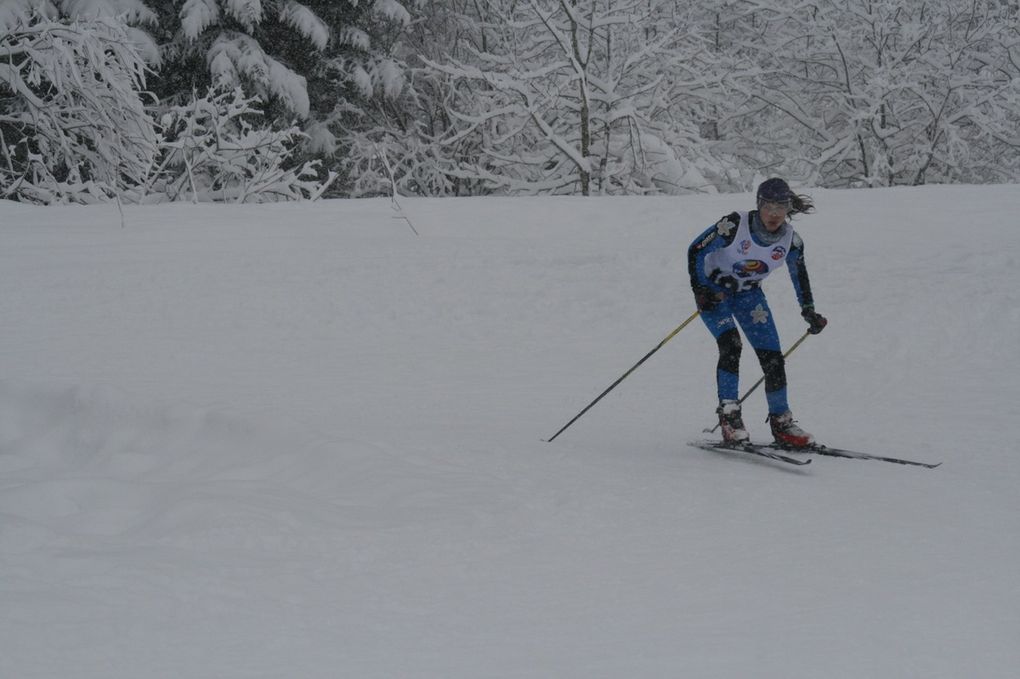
{"x": 816, "y": 322}
{"x": 725, "y": 281}
{"x": 706, "y": 298}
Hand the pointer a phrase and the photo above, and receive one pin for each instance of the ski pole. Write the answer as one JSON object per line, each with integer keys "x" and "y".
{"x": 762, "y": 378}
{"x": 624, "y": 376}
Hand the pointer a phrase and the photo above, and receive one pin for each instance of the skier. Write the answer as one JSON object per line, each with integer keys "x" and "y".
{"x": 727, "y": 264}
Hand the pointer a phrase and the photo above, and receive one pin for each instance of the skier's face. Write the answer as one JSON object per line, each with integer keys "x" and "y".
{"x": 773, "y": 214}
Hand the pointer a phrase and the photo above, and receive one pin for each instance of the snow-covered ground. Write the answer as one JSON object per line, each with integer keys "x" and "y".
{"x": 301, "y": 441}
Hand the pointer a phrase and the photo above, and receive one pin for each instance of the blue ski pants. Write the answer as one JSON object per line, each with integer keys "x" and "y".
{"x": 750, "y": 311}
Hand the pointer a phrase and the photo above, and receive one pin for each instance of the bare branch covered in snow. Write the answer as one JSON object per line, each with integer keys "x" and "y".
{"x": 894, "y": 92}
{"x": 75, "y": 126}
{"x": 585, "y": 97}
{"x": 214, "y": 149}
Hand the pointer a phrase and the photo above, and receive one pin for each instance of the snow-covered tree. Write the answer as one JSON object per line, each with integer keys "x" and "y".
{"x": 326, "y": 63}
{"x": 533, "y": 94}
{"x": 584, "y": 96}
{"x": 388, "y": 136}
{"x": 73, "y": 126}
{"x": 358, "y": 85}
{"x": 236, "y": 43}
{"x": 883, "y": 92}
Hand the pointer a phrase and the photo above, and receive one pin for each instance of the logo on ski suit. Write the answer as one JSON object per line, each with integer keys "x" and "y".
{"x": 746, "y": 268}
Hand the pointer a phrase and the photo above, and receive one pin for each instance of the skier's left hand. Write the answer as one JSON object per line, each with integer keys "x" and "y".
{"x": 816, "y": 322}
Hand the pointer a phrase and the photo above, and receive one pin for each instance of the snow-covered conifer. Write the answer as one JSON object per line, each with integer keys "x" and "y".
{"x": 238, "y": 40}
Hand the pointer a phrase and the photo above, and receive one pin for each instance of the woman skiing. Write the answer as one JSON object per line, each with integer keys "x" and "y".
{"x": 727, "y": 264}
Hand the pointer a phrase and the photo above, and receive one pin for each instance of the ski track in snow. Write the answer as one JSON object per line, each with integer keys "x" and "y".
{"x": 298, "y": 441}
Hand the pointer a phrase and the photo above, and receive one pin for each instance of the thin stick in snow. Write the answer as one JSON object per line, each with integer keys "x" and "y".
{"x": 393, "y": 189}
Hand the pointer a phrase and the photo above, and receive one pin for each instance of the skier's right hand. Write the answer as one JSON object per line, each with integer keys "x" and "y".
{"x": 706, "y": 298}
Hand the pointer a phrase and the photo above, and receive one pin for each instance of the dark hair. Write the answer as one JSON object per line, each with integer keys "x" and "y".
{"x": 802, "y": 205}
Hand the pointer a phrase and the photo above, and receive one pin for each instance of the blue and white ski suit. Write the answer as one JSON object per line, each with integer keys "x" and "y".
{"x": 733, "y": 257}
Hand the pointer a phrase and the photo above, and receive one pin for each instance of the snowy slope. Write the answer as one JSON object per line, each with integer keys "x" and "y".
{"x": 300, "y": 441}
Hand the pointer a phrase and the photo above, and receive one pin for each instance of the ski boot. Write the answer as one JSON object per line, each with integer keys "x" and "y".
{"x": 786, "y": 432}
{"x": 733, "y": 430}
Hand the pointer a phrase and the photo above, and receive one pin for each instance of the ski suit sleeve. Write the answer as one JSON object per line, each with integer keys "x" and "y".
{"x": 715, "y": 237}
{"x": 798, "y": 273}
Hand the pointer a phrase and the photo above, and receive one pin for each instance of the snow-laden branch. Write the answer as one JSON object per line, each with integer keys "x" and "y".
{"x": 78, "y": 125}
{"x": 237, "y": 57}
{"x": 211, "y": 149}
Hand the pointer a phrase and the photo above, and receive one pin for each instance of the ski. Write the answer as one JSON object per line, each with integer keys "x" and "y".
{"x": 774, "y": 451}
{"x": 752, "y": 449}
{"x": 820, "y": 449}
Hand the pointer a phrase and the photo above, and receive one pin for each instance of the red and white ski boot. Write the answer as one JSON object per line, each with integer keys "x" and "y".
{"x": 786, "y": 432}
